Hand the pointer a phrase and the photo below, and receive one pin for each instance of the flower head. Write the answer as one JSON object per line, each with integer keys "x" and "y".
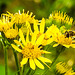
{"x": 56, "y": 15}
{"x": 31, "y": 50}
{"x": 63, "y": 68}
{"x": 40, "y": 29}
{"x": 20, "y": 18}
{"x": 70, "y": 72}
{"x": 61, "y": 39}
{"x": 11, "y": 33}
{"x": 5, "y": 24}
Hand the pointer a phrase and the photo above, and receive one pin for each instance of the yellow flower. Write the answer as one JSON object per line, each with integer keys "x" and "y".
{"x": 56, "y": 15}
{"x": 31, "y": 50}
{"x": 20, "y": 18}
{"x": 61, "y": 67}
{"x": 11, "y": 33}
{"x": 70, "y": 72}
{"x": 61, "y": 39}
{"x": 40, "y": 29}
{"x": 5, "y": 24}
{"x": 64, "y": 68}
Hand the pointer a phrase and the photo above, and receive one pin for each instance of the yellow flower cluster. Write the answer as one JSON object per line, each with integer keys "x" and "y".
{"x": 63, "y": 68}
{"x": 33, "y": 35}
{"x": 6, "y": 26}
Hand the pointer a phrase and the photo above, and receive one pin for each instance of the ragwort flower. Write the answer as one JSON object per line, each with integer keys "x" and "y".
{"x": 40, "y": 29}
{"x": 56, "y": 15}
{"x": 63, "y": 68}
{"x": 11, "y": 33}
{"x": 61, "y": 39}
{"x": 5, "y": 24}
{"x": 31, "y": 50}
{"x": 20, "y": 18}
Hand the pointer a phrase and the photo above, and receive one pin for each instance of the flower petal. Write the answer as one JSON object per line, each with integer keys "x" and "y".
{"x": 67, "y": 46}
{"x": 73, "y": 45}
{"x": 33, "y": 38}
{"x": 21, "y": 36}
{"x": 45, "y": 51}
{"x": 24, "y": 61}
{"x": 17, "y": 42}
{"x": 27, "y": 37}
{"x": 44, "y": 59}
{"x": 16, "y": 48}
{"x": 32, "y": 64}
{"x": 50, "y": 40}
{"x": 42, "y": 25}
{"x": 35, "y": 27}
{"x": 38, "y": 64}
{"x": 40, "y": 39}
{"x": 55, "y": 45}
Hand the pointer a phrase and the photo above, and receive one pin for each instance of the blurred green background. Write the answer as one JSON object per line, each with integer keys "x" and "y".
{"x": 40, "y": 8}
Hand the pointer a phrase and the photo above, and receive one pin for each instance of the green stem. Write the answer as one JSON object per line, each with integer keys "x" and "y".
{"x": 28, "y": 72}
{"x": 23, "y": 69}
{"x": 5, "y": 56}
{"x": 59, "y": 50}
{"x": 16, "y": 60}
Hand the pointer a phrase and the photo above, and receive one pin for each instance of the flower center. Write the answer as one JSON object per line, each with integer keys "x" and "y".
{"x": 31, "y": 51}
{"x": 63, "y": 40}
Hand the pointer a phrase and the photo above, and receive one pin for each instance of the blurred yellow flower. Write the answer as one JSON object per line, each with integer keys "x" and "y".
{"x": 61, "y": 17}
{"x": 63, "y": 68}
{"x": 70, "y": 72}
{"x": 31, "y": 50}
{"x": 5, "y": 24}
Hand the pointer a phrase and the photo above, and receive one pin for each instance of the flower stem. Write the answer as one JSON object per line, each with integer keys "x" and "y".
{"x": 16, "y": 60}
{"x": 28, "y": 73}
{"x": 5, "y": 57}
{"x": 23, "y": 69}
{"x": 59, "y": 50}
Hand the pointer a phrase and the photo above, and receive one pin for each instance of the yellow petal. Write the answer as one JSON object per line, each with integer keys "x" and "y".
{"x": 50, "y": 40}
{"x": 67, "y": 46}
{"x": 27, "y": 37}
{"x": 42, "y": 25}
{"x": 73, "y": 45}
{"x": 40, "y": 39}
{"x": 24, "y": 61}
{"x": 35, "y": 26}
{"x": 17, "y": 42}
{"x": 45, "y": 52}
{"x": 44, "y": 59}
{"x": 21, "y": 36}
{"x": 38, "y": 64}
{"x": 32, "y": 64}
{"x": 16, "y": 48}
{"x": 33, "y": 38}
{"x": 55, "y": 45}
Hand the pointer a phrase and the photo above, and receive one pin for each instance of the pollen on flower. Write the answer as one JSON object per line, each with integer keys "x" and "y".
{"x": 31, "y": 51}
